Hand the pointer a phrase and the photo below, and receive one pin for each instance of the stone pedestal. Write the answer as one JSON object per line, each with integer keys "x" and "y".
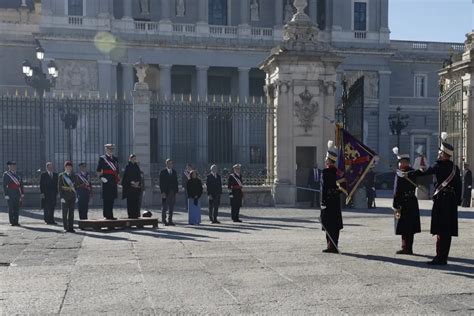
{"x": 300, "y": 83}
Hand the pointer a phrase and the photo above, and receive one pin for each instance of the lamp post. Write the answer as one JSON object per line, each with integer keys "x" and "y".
{"x": 69, "y": 117}
{"x": 398, "y": 122}
{"x": 341, "y": 108}
{"x": 38, "y": 80}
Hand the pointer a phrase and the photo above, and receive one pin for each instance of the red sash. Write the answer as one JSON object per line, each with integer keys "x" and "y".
{"x": 239, "y": 183}
{"x": 113, "y": 170}
{"x": 16, "y": 182}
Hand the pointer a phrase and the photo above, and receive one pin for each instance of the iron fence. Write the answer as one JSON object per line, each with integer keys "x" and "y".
{"x": 71, "y": 129}
{"x": 219, "y": 130}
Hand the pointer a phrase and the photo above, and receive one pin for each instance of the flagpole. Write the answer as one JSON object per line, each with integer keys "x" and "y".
{"x": 327, "y": 234}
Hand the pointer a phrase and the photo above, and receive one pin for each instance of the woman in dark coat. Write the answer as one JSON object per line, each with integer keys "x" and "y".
{"x": 132, "y": 187}
{"x": 194, "y": 190}
{"x": 331, "y": 216}
{"x": 405, "y": 205}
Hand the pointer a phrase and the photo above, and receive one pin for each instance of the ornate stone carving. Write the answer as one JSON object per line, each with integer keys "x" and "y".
{"x": 300, "y": 33}
{"x": 306, "y": 110}
{"x": 141, "y": 69}
{"x": 283, "y": 86}
{"x": 371, "y": 89}
{"x": 144, "y": 7}
{"x": 254, "y": 11}
{"x": 330, "y": 87}
{"x": 180, "y": 8}
{"x": 288, "y": 11}
{"x": 77, "y": 76}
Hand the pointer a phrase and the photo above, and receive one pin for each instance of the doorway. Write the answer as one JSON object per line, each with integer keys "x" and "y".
{"x": 305, "y": 158}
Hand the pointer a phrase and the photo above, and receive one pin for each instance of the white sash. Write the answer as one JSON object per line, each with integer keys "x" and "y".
{"x": 83, "y": 179}
{"x": 69, "y": 182}
{"x": 237, "y": 180}
{"x": 13, "y": 177}
{"x": 110, "y": 164}
{"x": 187, "y": 174}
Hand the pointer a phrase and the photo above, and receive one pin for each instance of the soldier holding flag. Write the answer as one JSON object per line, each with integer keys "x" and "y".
{"x": 331, "y": 216}
{"x": 405, "y": 204}
{"x": 447, "y": 197}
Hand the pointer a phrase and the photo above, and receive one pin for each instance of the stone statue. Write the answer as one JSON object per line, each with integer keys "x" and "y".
{"x": 144, "y": 7}
{"x": 180, "y": 8}
{"x": 254, "y": 11}
{"x": 288, "y": 11}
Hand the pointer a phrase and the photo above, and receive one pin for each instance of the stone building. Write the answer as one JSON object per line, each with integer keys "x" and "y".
{"x": 214, "y": 47}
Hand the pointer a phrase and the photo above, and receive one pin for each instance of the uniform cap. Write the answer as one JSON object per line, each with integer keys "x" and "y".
{"x": 11, "y": 163}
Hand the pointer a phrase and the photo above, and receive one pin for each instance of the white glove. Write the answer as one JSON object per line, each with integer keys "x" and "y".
{"x": 7, "y": 197}
{"x": 468, "y": 186}
{"x": 42, "y": 195}
{"x": 104, "y": 180}
{"x": 77, "y": 200}
{"x": 63, "y": 201}
{"x": 401, "y": 174}
{"x": 323, "y": 207}
{"x": 373, "y": 188}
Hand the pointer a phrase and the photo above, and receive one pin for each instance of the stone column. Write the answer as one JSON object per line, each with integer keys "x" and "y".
{"x": 313, "y": 11}
{"x": 278, "y": 13}
{"x": 127, "y": 10}
{"x": 203, "y": 11}
{"x": 165, "y": 81}
{"x": 383, "y": 132}
{"x": 141, "y": 131}
{"x": 107, "y": 78}
{"x": 244, "y": 11}
{"x": 244, "y": 123}
{"x": 166, "y": 10}
{"x": 384, "y": 15}
{"x": 128, "y": 80}
{"x": 46, "y": 7}
{"x": 104, "y": 9}
{"x": 202, "y": 136}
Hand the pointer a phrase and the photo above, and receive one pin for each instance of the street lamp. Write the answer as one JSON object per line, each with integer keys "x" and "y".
{"x": 38, "y": 80}
{"x": 69, "y": 117}
{"x": 398, "y": 122}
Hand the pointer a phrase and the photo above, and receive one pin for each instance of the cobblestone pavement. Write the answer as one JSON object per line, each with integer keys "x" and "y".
{"x": 270, "y": 264}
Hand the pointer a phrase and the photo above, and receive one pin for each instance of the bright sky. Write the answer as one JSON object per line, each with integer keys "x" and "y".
{"x": 431, "y": 20}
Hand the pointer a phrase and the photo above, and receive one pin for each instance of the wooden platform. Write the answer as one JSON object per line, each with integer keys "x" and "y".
{"x": 98, "y": 224}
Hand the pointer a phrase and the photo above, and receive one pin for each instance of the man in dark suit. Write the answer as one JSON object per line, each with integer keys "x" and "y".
{"x": 314, "y": 182}
{"x": 49, "y": 193}
{"x": 168, "y": 188}
{"x": 214, "y": 191}
{"x": 467, "y": 186}
{"x": 108, "y": 172}
{"x": 84, "y": 191}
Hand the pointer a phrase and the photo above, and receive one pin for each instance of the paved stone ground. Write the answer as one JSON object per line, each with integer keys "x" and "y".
{"x": 270, "y": 264}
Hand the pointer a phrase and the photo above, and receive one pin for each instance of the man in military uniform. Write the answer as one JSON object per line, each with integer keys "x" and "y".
{"x": 169, "y": 189}
{"x": 108, "y": 172}
{"x": 447, "y": 197}
{"x": 49, "y": 192}
{"x": 84, "y": 191}
{"x": 236, "y": 195}
{"x": 467, "y": 186}
{"x": 13, "y": 190}
{"x": 405, "y": 204}
{"x": 331, "y": 215}
{"x": 67, "y": 185}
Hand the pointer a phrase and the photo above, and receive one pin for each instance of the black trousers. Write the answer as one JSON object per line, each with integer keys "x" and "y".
{"x": 443, "y": 245}
{"x": 335, "y": 237}
{"x": 68, "y": 214}
{"x": 214, "y": 207}
{"x": 407, "y": 242}
{"x": 167, "y": 205}
{"x": 370, "y": 198}
{"x": 133, "y": 207}
{"x": 235, "y": 204}
{"x": 108, "y": 209}
{"x": 83, "y": 206}
{"x": 48, "y": 212}
{"x": 13, "y": 210}
{"x": 466, "y": 202}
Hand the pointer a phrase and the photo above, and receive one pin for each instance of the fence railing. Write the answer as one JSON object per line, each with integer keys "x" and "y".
{"x": 73, "y": 128}
{"x": 214, "y": 131}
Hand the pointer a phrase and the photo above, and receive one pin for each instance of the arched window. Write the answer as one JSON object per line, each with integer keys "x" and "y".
{"x": 218, "y": 12}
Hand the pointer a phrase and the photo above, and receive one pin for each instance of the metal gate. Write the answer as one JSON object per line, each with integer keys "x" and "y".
{"x": 452, "y": 119}
{"x": 34, "y": 130}
{"x": 220, "y": 130}
{"x": 354, "y": 120}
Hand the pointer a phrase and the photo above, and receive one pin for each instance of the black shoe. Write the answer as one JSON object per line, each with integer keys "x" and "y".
{"x": 71, "y": 231}
{"x": 216, "y": 222}
{"x": 238, "y": 221}
{"x": 330, "y": 250}
{"x": 15, "y": 224}
{"x": 404, "y": 252}
{"x": 171, "y": 224}
{"x": 437, "y": 262}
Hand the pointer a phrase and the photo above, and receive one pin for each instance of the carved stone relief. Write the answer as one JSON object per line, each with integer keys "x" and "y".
{"x": 77, "y": 75}
{"x": 306, "y": 109}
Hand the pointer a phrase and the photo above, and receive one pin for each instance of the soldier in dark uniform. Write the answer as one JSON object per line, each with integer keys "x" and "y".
{"x": 331, "y": 216}
{"x": 214, "y": 191}
{"x": 447, "y": 197}
{"x": 132, "y": 189}
{"x": 314, "y": 182}
{"x": 467, "y": 186}
{"x": 84, "y": 191}
{"x": 405, "y": 205}
{"x": 49, "y": 192}
{"x": 13, "y": 190}
{"x": 235, "y": 185}
{"x": 108, "y": 171}
{"x": 67, "y": 185}
{"x": 370, "y": 188}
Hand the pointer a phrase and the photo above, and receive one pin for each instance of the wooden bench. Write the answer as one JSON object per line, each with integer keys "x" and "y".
{"x": 98, "y": 224}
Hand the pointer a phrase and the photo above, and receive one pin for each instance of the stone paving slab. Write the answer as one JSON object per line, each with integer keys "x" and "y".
{"x": 271, "y": 264}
